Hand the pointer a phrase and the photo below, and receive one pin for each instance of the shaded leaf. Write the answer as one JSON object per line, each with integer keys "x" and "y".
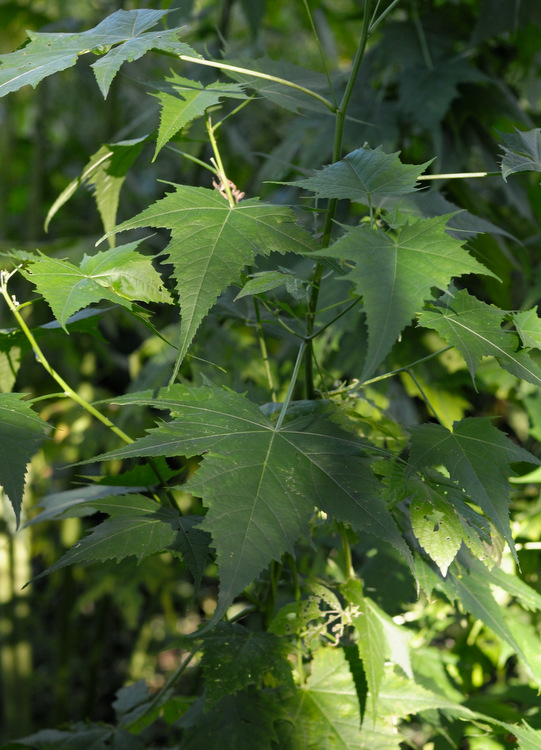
{"x": 21, "y": 433}
{"x": 105, "y": 171}
{"x": 475, "y": 328}
{"x": 478, "y": 458}
{"x": 120, "y": 275}
{"x": 211, "y": 242}
{"x": 182, "y": 100}
{"x": 193, "y": 545}
{"x": 261, "y": 484}
{"x": 235, "y": 659}
{"x": 528, "y": 325}
{"x": 522, "y": 152}
{"x": 363, "y": 175}
{"x": 49, "y": 53}
{"x": 395, "y": 273}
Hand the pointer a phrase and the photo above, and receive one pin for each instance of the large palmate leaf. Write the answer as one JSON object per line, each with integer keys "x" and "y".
{"x": 363, "y": 175}
{"x": 120, "y": 275}
{"x": 475, "y": 328}
{"x": 395, "y": 273}
{"x": 261, "y": 484}
{"x": 478, "y": 458}
{"x": 126, "y": 32}
{"x": 522, "y": 152}
{"x": 211, "y": 242}
{"x": 21, "y": 432}
{"x": 105, "y": 172}
{"x": 182, "y": 100}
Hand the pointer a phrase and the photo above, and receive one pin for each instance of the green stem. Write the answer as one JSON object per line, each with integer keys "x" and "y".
{"x": 424, "y": 396}
{"x": 292, "y": 384}
{"x": 422, "y": 38}
{"x": 218, "y": 160}
{"x": 68, "y": 390}
{"x": 331, "y": 208}
{"x": 380, "y": 18}
{"x": 458, "y": 175}
{"x": 336, "y": 317}
{"x": 316, "y": 37}
{"x": 257, "y": 74}
{"x": 346, "y": 549}
{"x": 391, "y": 373}
{"x": 263, "y": 349}
{"x": 293, "y": 567}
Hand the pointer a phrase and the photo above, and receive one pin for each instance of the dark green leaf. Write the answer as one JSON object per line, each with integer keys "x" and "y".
{"x": 395, "y": 273}
{"x": 211, "y": 242}
{"x": 262, "y": 484}
{"x": 522, "y": 152}
{"x": 21, "y": 433}
{"x": 364, "y": 175}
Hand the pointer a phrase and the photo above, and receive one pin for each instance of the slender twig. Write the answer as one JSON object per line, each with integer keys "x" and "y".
{"x": 424, "y": 396}
{"x": 391, "y": 373}
{"x": 458, "y": 175}
{"x": 292, "y": 384}
{"x": 263, "y": 348}
{"x": 316, "y": 37}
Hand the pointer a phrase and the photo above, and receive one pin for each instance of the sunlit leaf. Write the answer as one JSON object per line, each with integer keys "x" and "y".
{"x": 522, "y": 151}
{"x": 120, "y": 275}
{"x": 49, "y": 53}
{"x": 475, "y": 328}
{"x": 21, "y": 433}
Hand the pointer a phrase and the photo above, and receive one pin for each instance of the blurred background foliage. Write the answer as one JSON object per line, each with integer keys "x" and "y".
{"x": 441, "y": 79}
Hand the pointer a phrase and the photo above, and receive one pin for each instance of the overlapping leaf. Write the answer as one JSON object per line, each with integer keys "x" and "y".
{"x": 261, "y": 484}
{"x": 21, "y": 433}
{"x": 211, "y": 242}
{"x": 395, "y": 272}
{"x": 106, "y": 172}
{"x": 478, "y": 458}
{"x": 182, "y": 100}
{"x": 475, "y": 328}
{"x": 119, "y": 275}
{"x": 522, "y": 152}
{"x": 126, "y": 32}
{"x": 528, "y": 325}
{"x": 364, "y": 174}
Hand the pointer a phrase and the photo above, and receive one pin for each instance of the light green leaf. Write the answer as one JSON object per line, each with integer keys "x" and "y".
{"x": 438, "y": 529}
{"x": 528, "y": 737}
{"x": 371, "y": 640}
{"x": 120, "y": 275}
{"x": 325, "y": 713}
{"x": 21, "y": 433}
{"x": 106, "y": 172}
{"x": 528, "y": 597}
{"x": 528, "y": 325}
{"x": 395, "y": 273}
{"x": 261, "y": 484}
{"x": 522, "y": 152}
{"x": 182, "y": 100}
{"x": 265, "y": 281}
{"x": 475, "y": 328}
{"x": 138, "y": 527}
{"x": 49, "y": 53}
{"x": 363, "y": 175}
{"x": 478, "y": 457}
{"x": 235, "y": 658}
{"x": 211, "y": 242}
{"x": 402, "y": 697}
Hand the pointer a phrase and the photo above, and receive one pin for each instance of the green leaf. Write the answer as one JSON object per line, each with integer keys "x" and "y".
{"x": 235, "y": 658}
{"x": 371, "y": 640}
{"x": 438, "y": 529}
{"x": 211, "y": 242}
{"x": 182, "y": 100}
{"x": 363, "y": 175}
{"x": 522, "y": 152}
{"x": 193, "y": 546}
{"x": 395, "y": 273}
{"x": 402, "y": 697}
{"x": 138, "y": 527}
{"x": 475, "y": 328}
{"x": 261, "y": 484}
{"x": 478, "y": 458}
{"x": 244, "y": 720}
{"x": 105, "y": 171}
{"x": 21, "y": 433}
{"x": 528, "y": 325}
{"x": 265, "y": 281}
{"x": 325, "y": 713}
{"x": 119, "y": 275}
{"x": 48, "y": 53}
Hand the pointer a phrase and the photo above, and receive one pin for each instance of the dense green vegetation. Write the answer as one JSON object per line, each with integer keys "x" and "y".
{"x": 270, "y": 419}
